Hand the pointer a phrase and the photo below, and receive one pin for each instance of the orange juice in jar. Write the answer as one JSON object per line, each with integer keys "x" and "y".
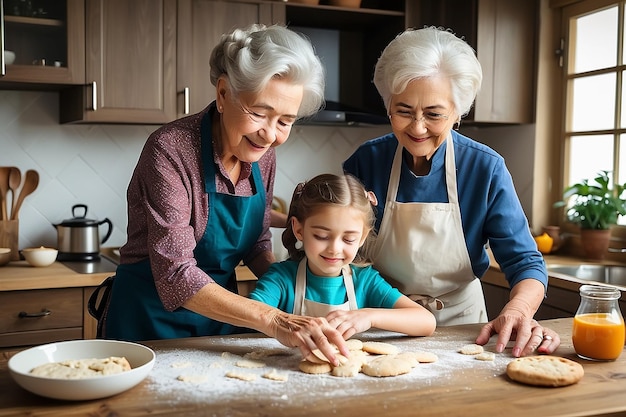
{"x": 598, "y": 330}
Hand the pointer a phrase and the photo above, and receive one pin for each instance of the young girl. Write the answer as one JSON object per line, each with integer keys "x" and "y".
{"x": 328, "y": 274}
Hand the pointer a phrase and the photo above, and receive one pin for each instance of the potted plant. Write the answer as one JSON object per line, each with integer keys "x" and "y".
{"x": 595, "y": 208}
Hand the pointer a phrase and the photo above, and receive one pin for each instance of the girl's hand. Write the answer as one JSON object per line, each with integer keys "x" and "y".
{"x": 309, "y": 333}
{"x": 348, "y": 323}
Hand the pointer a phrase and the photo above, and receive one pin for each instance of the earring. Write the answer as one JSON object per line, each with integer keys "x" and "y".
{"x": 298, "y": 245}
{"x": 220, "y": 109}
{"x": 457, "y": 125}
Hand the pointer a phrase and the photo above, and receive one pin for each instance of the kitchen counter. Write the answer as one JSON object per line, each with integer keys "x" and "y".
{"x": 555, "y": 279}
{"x": 20, "y": 275}
{"x": 455, "y": 385}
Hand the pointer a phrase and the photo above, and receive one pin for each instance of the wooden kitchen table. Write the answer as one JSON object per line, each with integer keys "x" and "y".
{"x": 456, "y": 385}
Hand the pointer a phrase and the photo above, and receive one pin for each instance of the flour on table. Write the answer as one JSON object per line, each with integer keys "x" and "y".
{"x": 180, "y": 365}
{"x": 211, "y": 362}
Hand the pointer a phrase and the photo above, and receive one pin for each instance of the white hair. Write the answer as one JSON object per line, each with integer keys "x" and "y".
{"x": 253, "y": 56}
{"x": 425, "y": 53}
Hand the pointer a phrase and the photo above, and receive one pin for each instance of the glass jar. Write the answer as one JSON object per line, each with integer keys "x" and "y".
{"x": 598, "y": 329}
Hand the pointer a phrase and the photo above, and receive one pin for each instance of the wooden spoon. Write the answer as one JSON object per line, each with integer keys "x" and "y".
{"x": 15, "y": 180}
{"x": 4, "y": 189}
{"x": 30, "y": 184}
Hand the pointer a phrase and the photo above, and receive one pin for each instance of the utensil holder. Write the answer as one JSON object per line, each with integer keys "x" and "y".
{"x": 9, "y": 232}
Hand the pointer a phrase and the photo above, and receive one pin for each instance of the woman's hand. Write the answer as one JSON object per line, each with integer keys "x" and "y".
{"x": 516, "y": 322}
{"x": 528, "y": 334}
{"x": 309, "y": 333}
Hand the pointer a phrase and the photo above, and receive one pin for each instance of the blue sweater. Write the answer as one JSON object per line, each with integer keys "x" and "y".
{"x": 490, "y": 209}
{"x": 277, "y": 288}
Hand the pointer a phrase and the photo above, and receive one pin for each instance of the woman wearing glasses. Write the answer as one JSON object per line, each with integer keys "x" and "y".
{"x": 199, "y": 201}
{"x": 443, "y": 197}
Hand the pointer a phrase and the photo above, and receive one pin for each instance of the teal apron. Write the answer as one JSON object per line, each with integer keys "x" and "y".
{"x": 234, "y": 224}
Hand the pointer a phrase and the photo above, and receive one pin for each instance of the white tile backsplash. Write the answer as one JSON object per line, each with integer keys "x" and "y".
{"x": 92, "y": 164}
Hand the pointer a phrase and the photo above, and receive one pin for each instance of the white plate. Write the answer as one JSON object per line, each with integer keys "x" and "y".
{"x": 141, "y": 359}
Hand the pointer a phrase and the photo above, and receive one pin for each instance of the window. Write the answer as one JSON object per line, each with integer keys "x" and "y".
{"x": 595, "y": 121}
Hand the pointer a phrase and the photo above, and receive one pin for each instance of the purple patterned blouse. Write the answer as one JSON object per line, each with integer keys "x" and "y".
{"x": 168, "y": 207}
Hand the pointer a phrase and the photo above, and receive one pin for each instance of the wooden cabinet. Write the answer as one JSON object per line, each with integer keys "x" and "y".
{"x": 130, "y": 64}
{"x": 42, "y": 316}
{"x": 503, "y": 34}
{"x": 201, "y": 24}
{"x": 48, "y": 43}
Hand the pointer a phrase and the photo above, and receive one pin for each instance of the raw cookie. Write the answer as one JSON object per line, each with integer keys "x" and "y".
{"x": 471, "y": 349}
{"x": 82, "y": 368}
{"x": 380, "y": 348}
{"x": 486, "y": 356}
{"x": 248, "y": 363}
{"x": 354, "y": 344}
{"x": 387, "y": 365}
{"x": 352, "y": 366}
{"x": 546, "y": 371}
{"x": 241, "y": 376}
{"x": 314, "y": 368}
{"x": 410, "y": 357}
{"x": 423, "y": 356}
{"x": 193, "y": 379}
{"x": 318, "y": 357}
{"x": 275, "y": 376}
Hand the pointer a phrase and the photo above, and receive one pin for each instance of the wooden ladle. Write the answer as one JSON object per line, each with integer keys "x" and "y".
{"x": 4, "y": 189}
{"x": 15, "y": 180}
{"x": 31, "y": 182}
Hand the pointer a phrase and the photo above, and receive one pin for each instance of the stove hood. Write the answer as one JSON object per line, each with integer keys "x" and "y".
{"x": 336, "y": 114}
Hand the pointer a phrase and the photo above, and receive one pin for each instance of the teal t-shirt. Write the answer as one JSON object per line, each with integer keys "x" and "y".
{"x": 277, "y": 288}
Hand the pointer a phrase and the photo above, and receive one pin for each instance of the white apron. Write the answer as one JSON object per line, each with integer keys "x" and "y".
{"x": 421, "y": 250}
{"x": 302, "y": 306}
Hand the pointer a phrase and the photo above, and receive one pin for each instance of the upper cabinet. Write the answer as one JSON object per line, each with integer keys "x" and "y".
{"x": 147, "y": 61}
{"x": 362, "y": 34}
{"x": 503, "y": 33}
{"x": 41, "y": 43}
{"x": 201, "y": 24}
{"x": 130, "y": 64}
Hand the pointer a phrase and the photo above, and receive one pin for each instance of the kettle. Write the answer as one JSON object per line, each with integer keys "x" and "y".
{"x": 78, "y": 238}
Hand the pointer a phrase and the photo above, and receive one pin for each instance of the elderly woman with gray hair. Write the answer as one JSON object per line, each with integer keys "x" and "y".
{"x": 199, "y": 201}
{"x": 443, "y": 197}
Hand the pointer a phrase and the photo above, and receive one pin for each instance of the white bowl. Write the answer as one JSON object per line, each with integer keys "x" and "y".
{"x": 141, "y": 359}
{"x": 9, "y": 57}
{"x": 40, "y": 256}
{"x": 5, "y": 256}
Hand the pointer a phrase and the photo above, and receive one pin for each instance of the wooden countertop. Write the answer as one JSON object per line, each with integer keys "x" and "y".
{"x": 20, "y": 275}
{"x": 555, "y": 280}
{"x": 455, "y": 385}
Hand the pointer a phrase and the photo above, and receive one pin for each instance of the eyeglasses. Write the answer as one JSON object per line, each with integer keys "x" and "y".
{"x": 260, "y": 120}
{"x": 403, "y": 119}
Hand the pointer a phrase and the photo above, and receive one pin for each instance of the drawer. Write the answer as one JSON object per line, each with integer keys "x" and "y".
{"x": 35, "y": 310}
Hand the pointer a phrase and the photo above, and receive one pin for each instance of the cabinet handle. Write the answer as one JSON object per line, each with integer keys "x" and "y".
{"x": 94, "y": 96}
{"x": 43, "y": 313}
{"x": 185, "y": 99}
{"x": 3, "y": 67}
